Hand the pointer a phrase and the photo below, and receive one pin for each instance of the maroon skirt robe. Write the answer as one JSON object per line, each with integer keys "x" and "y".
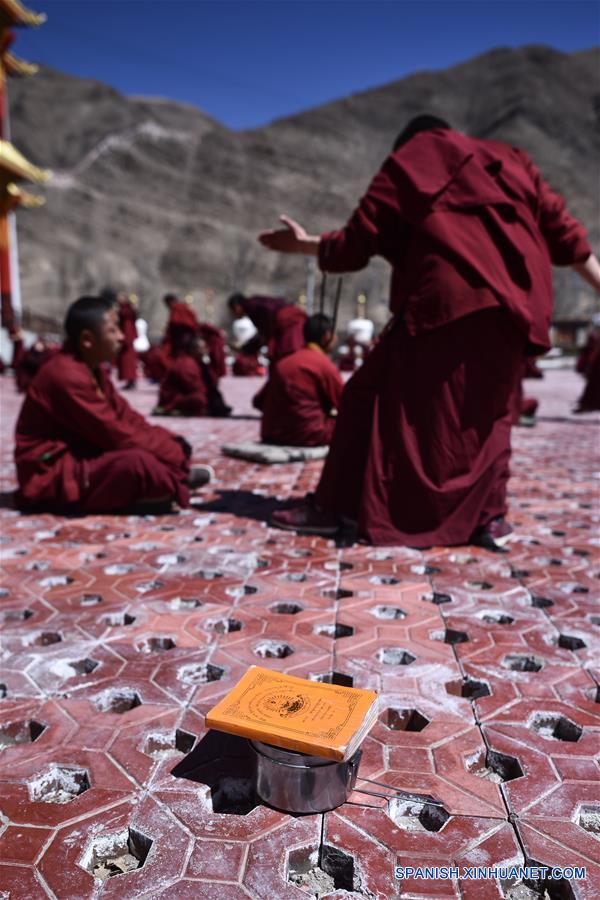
{"x": 420, "y": 452}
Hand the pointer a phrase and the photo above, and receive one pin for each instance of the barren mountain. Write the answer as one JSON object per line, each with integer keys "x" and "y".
{"x": 153, "y": 195}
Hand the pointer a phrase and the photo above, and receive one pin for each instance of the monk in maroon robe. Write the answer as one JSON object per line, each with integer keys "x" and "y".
{"x": 30, "y": 361}
{"x": 279, "y": 325}
{"x": 305, "y": 388}
{"x": 420, "y": 453}
{"x": 155, "y": 363}
{"x": 588, "y": 365}
{"x": 80, "y": 447}
{"x": 182, "y": 318}
{"x": 247, "y": 364}
{"x": 127, "y": 359}
{"x": 189, "y": 387}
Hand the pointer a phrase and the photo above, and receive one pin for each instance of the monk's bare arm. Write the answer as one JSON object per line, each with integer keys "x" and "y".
{"x": 589, "y": 271}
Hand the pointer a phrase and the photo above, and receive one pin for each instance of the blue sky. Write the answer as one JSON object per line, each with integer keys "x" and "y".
{"x": 246, "y": 62}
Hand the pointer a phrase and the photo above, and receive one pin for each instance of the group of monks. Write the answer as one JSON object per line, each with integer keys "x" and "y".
{"x": 419, "y": 435}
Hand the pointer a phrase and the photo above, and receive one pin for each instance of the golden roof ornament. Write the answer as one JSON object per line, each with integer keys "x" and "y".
{"x": 14, "y": 13}
{"x": 13, "y": 162}
{"x": 15, "y": 66}
{"x": 24, "y": 198}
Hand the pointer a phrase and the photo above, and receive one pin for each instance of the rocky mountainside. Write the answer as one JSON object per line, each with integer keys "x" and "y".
{"x": 153, "y": 195}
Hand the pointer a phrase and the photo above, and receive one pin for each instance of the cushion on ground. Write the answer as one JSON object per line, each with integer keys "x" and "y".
{"x": 272, "y": 453}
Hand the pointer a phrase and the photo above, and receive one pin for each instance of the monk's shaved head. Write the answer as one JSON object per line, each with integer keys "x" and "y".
{"x": 318, "y": 329}
{"x": 87, "y": 313}
{"x": 419, "y": 123}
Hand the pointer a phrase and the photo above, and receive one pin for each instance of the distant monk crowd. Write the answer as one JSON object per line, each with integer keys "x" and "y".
{"x": 419, "y": 433}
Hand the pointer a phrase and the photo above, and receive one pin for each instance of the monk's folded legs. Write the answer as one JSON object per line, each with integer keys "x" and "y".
{"x": 121, "y": 478}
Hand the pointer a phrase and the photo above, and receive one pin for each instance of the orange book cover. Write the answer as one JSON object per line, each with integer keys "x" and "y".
{"x": 325, "y": 720}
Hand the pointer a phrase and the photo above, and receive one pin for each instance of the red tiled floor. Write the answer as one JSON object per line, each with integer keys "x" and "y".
{"x": 158, "y": 617}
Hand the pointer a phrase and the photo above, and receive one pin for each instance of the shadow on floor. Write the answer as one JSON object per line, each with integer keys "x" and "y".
{"x": 7, "y": 500}
{"x": 225, "y": 763}
{"x": 245, "y": 505}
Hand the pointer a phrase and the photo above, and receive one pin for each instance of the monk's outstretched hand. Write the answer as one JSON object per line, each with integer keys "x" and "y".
{"x": 293, "y": 238}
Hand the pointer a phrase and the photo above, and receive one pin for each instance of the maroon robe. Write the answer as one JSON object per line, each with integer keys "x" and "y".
{"x": 215, "y": 346}
{"x": 183, "y": 388}
{"x": 182, "y": 318}
{"x": 588, "y": 364}
{"x": 155, "y": 363}
{"x": 523, "y": 405}
{"x": 79, "y": 445}
{"x": 30, "y": 361}
{"x": 279, "y": 324}
{"x": 246, "y": 364}
{"x": 127, "y": 358}
{"x": 303, "y": 389}
{"x": 421, "y": 448}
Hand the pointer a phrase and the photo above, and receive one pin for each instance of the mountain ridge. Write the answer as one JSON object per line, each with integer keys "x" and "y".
{"x": 154, "y": 195}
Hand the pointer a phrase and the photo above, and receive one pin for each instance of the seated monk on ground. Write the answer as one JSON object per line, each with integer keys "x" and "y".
{"x": 279, "y": 325}
{"x": 80, "y": 447}
{"x": 182, "y": 317}
{"x": 127, "y": 361}
{"x": 588, "y": 365}
{"x": 189, "y": 388}
{"x": 248, "y": 345}
{"x": 30, "y": 361}
{"x": 304, "y": 389}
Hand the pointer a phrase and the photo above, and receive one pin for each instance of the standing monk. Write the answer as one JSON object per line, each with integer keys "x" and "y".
{"x": 79, "y": 445}
{"x": 421, "y": 448}
{"x": 127, "y": 359}
{"x": 304, "y": 390}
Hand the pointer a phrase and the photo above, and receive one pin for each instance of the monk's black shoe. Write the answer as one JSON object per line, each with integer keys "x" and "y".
{"x": 306, "y": 519}
{"x": 493, "y": 536}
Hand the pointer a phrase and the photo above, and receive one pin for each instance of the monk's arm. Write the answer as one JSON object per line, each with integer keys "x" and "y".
{"x": 350, "y": 248}
{"x": 589, "y": 271}
{"x": 565, "y": 236}
{"x": 331, "y": 388}
{"x": 83, "y": 409}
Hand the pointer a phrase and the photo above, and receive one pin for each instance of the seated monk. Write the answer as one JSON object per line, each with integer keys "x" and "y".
{"x": 278, "y": 323}
{"x": 181, "y": 318}
{"x": 588, "y": 365}
{"x": 304, "y": 389}
{"x": 30, "y": 361}
{"x": 80, "y": 447}
{"x": 246, "y": 364}
{"x": 127, "y": 359}
{"x": 189, "y": 388}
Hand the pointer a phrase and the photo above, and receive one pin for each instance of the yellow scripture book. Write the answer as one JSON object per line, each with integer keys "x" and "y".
{"x": 297, "y": 714}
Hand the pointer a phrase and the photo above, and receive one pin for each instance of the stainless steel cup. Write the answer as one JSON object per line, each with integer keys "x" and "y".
{"x": 299, "y": 783}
